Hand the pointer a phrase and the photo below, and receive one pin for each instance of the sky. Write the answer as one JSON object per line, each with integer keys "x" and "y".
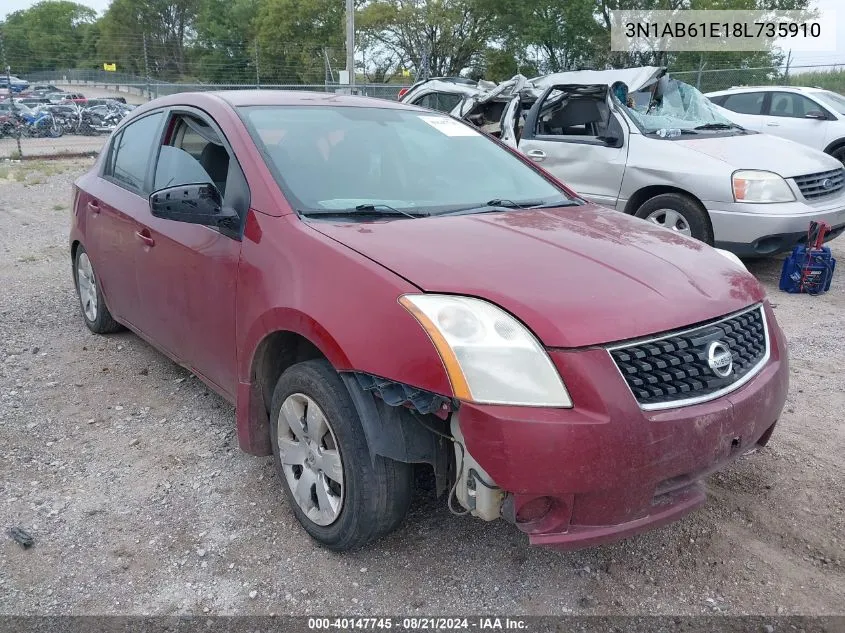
{"x": 798, "y": 58}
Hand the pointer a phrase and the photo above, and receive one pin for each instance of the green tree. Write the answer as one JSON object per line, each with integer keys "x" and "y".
{"x": 559, "y": 35}
{"x": 298, "y": 39}
{"x": 225, "y": 49}
{"x": 449, "y": 35}
{"x": 164, "y": 24}
{"x": 48, "y": 35}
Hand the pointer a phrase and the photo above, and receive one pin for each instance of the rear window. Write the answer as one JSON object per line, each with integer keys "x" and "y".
{"x": 745, "y": 102}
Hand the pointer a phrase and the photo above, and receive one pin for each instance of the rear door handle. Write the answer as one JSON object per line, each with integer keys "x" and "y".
{"x": 145, "y": 237}
{"x": 536, "y": 154}
{"x": 773, "y": 124}
{"x": 94, "y": 206}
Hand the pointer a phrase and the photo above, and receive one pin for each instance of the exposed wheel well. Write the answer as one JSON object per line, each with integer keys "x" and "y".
{"x": 73, "y": 248}
{"x": 274, "y": 355}
{"x": 646, "y": 193}
{"x": 835, "y": 145}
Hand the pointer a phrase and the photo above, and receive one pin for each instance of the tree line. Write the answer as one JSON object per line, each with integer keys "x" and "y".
{"x": 302, "y": 41}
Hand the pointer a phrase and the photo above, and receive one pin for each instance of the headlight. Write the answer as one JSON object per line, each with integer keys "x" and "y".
{"x": 490, "y": 357}
{"x": 736, "y": 260}
{"x": 760, "y": 186}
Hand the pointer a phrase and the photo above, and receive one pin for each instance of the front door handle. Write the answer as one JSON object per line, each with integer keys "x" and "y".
{"x": 93, "y": 206}
{"x": 773, "y": 124}
{"x": 536, "y": 155}
{"x": 145, "y": 237}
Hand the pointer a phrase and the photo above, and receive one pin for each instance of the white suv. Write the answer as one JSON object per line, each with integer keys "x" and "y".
{"x": 811, "y": 116}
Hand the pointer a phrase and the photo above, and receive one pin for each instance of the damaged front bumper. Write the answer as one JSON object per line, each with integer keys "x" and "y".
{"x": 607, "y": 469}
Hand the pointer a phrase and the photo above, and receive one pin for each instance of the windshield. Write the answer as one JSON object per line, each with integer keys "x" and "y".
{"x": 831, "y": 99}
{"x": 329, "y": 158}
{"x": 670, "y": 107}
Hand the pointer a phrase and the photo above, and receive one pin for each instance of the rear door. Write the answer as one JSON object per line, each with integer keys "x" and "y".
{"x": 746, "y": 108}
{"x": 187, "y": 273}
{"x": 114, "y": 202}
{"x": 572, "y": 132}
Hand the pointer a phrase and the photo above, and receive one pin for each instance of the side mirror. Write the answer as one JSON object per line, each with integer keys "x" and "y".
{"x": 815, "y": 114}
{"x": 195, "y": 204}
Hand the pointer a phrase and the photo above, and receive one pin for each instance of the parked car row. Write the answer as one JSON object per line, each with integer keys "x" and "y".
{"x": 658, "y": 149}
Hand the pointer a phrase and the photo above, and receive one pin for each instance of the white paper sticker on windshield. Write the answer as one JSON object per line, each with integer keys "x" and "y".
{"x": 449, "y": 127}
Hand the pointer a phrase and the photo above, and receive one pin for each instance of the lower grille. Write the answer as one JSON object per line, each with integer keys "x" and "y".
{"x": 822, "y": 184}
{"x": 697, "y": 364}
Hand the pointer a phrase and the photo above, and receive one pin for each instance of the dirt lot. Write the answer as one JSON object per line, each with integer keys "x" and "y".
{"x": 126, "y": 470}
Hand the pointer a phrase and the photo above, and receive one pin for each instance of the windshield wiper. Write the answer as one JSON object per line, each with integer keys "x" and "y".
{"x": 719, "y": 126}
{"x": 370, "y": 209}
{"x": 498, "y": 205}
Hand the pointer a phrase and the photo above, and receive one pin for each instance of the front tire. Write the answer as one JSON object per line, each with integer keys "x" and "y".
{"x": 94, "y": 310}
{"x": 342, "y": 496}
{"x": 839, "y": 154}
{"x": 678, "y": 213}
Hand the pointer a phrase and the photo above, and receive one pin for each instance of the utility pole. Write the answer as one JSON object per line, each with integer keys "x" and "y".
{"x": 786, "y": 72}
{"x": 11, "y": 95}
{"x": 147, "y": 68}
{"x": 257, "y": 75}
{"x": 350, "y": 42}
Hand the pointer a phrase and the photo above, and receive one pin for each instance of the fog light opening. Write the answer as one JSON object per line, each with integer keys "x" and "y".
{"x": 535, "y": 510}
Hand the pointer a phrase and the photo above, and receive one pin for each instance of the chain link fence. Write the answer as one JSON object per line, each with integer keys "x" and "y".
{"x": 136, "y": 89}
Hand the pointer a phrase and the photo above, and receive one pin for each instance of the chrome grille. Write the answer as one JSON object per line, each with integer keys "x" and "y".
{"x": 821, "y": 184}
{"x": 675, "y": 369}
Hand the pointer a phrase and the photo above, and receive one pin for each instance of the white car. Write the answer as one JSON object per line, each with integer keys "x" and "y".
{"x": 811, "y": 116}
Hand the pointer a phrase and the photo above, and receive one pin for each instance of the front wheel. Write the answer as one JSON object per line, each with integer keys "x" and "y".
{"x": 56, "y": 130}
{"x": 839, "y": 154}
{"x": 342, "y": 496}
{"x": 680, "y": 213}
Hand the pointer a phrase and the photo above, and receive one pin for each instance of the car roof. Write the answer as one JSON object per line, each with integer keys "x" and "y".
{"x": 740, "y": 89}
{"x": 238, "y": 98}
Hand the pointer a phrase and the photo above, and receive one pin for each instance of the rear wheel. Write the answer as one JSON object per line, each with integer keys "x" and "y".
{"x": 679, "y": 213}
{"x": 94, "y": 311}
{"x": 342, "y": 496}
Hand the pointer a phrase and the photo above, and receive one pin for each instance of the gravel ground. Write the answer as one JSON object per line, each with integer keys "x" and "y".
{"x": 126, "y": 470}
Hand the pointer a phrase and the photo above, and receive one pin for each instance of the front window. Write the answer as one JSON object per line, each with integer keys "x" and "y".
{"x": 331, "y": 159}
{"x": 671, "y": 108}
{"x": 832, "y": 100}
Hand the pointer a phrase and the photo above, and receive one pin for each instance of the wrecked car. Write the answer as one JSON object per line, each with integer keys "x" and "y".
{"x": 664, "y": 153}
{"x": 291, "y": 251}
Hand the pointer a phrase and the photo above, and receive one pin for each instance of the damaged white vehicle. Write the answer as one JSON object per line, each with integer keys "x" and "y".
{"x": 648, "y": 145}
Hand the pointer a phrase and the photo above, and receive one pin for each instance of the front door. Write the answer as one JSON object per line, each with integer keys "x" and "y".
{"x": 572, "y": 133}
{"x": 187, "y": 274}
{"x": 787, "y": 117}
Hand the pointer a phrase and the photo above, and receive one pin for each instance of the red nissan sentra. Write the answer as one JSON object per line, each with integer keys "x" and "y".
{"x": 375, "y": 285}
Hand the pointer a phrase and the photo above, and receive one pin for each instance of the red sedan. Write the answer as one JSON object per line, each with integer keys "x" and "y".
{"x": 377, "y": 286}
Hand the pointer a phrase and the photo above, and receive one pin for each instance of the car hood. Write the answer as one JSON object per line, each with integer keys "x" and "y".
{"x": 762, "y": 151}
{"x": 577, "y": 276}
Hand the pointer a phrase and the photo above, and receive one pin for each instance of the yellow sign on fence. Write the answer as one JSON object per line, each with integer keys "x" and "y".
{"x": 111, "y": 67}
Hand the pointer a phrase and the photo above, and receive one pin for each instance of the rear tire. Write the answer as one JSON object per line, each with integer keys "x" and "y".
{"x": 363, "y": 497}
{"x": 94, "y": 310}
{"x": 678, "y": 212}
